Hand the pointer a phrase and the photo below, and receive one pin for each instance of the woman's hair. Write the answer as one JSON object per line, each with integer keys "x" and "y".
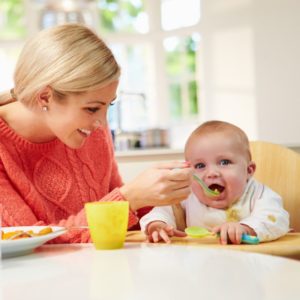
{"x": 223, "y": 127}
{"x": 68, "y": 58}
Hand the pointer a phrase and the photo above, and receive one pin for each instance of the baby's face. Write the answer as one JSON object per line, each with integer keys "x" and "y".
{"x": 223, "y": 164}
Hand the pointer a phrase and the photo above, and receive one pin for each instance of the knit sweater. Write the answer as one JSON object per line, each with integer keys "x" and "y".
{"x": 48, "y": 183}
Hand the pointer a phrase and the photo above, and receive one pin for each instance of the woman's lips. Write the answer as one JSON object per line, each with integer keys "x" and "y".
{"x": 85, "y": 132}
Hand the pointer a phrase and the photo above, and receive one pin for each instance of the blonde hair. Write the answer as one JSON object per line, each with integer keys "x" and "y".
{"x": 221, "y": 126}
{"x": 69, "y": 58}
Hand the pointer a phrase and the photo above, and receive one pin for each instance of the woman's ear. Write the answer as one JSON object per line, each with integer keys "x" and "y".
{"x": 44, "y": 96}
{"x": 251, "y": 168}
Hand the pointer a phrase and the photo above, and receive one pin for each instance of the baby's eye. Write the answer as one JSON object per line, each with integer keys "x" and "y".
{"x": 225, "y": 162}
{"x": 199, "y": 166}
{"x": 92, "y": 109}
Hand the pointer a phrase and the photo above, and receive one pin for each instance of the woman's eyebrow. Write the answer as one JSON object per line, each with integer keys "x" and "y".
{"x": 101, "y": 102}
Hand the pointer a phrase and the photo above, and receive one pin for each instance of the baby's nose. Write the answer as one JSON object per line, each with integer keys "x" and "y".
{"x": 213, "y": 172}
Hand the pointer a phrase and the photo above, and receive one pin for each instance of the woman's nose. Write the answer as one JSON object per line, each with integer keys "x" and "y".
{"x": 100, "y": 123}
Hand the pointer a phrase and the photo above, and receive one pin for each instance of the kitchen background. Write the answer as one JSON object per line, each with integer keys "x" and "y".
{"x": 183, "y": 62}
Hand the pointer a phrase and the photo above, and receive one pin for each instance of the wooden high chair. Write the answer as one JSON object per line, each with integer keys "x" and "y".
{"x": 279, "y": 168}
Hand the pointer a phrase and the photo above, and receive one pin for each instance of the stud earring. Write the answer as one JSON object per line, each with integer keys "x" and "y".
{"x": 44, "y": 108}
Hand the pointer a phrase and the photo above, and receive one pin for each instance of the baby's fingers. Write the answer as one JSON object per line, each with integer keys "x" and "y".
{"x": 171, "y": 231}
{"x": 154, "y": 237}
{"x": 164, "y": 235}
{"x": 224, "y": 236}
{"x": 179, "y": 233}
{"x": 216, "y": 229}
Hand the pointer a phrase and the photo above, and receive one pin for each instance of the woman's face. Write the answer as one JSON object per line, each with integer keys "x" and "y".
{"x": 73, "y": 119}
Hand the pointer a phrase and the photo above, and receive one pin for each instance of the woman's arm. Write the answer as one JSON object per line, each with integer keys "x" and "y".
{"x": 17, "y": 211}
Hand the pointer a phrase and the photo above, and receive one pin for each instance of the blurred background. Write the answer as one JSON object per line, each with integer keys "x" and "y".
{"x": 183, "y": 62}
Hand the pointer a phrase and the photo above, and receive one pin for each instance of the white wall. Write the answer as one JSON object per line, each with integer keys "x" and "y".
{"x": 251, "y": 66}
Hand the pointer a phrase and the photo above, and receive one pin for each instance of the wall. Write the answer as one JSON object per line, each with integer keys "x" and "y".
{"x": 251, "y": 65}
{"x": 132, "y": 163}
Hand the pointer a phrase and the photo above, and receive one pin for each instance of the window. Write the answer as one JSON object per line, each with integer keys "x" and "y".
{"x": 156, "y": 43}
{"x": 181, "y": 75}
{"x": 122, "y": 16}
{"x": 12, "y": 19}
{"x": 177, "y": 13}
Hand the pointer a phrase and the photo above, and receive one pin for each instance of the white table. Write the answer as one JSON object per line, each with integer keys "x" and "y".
{"x": 144, "y": 271}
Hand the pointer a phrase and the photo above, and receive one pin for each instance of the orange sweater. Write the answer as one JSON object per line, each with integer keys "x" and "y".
{"x": 48, "y": 183}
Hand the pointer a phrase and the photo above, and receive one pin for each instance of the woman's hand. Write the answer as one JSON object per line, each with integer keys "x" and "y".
{"x": 232, "y": 232}
{"x": 164, "y": 185}
{"x": 160, "y": 231}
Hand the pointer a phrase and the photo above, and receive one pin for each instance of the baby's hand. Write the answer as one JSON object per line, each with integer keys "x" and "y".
{"x": 160, "y": 231}
{"x": 232, "y": 232}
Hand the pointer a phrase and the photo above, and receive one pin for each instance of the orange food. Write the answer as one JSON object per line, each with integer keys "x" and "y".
{"x": 20, "y": 234}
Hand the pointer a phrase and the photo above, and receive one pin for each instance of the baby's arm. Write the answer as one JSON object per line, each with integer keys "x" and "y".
{"x": 159, "y": 224}
{"x": 268, "y": 219}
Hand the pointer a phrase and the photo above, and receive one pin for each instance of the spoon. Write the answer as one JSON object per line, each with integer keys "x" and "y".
{"x": 200, "y": 232}
{"x": 207, "y": 191}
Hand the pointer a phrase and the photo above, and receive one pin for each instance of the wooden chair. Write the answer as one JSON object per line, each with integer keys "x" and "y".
{"x": 279, "y": 168}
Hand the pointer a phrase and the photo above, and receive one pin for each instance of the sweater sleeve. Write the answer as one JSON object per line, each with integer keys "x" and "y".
{"x": 268, "y": 219}
{"x": 15, "y": 211}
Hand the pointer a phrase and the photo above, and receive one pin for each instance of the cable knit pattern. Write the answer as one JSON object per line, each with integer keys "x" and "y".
{"x": 48, "y": 183}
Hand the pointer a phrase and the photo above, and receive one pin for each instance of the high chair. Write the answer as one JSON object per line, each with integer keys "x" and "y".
{"x": 279, "y": 168}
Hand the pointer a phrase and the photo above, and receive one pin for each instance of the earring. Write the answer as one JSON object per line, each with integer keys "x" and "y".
{"x": 44, "y": 108}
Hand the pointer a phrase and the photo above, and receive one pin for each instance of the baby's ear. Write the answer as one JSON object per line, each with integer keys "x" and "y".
{"x": 251, "y": 168}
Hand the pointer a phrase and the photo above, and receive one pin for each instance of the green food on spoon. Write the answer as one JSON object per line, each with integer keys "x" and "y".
{"x": 207, "y": 191}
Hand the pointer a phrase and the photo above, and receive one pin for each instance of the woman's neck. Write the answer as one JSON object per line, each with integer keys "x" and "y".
{"x": 26, "y": 122}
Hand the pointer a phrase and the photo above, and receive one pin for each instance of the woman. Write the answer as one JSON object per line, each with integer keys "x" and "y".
{"x": 56, "y": 150}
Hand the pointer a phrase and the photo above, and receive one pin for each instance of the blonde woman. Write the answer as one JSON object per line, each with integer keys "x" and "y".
{"x": 56, "y": 151}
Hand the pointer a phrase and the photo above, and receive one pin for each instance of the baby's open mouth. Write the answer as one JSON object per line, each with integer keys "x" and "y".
{"x": 216, "y": 187}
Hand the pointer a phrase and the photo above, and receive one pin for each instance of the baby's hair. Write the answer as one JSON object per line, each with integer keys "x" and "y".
{"x": 222, "y": 126}
{"x": 70, "y": 58}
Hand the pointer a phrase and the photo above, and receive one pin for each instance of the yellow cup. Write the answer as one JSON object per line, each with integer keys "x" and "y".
{"x": 107, "y": 223}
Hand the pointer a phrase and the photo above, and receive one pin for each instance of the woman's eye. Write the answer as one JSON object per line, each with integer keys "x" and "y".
{"x": 92, "y": 109}
{"x": 199, "y": 166}
{"x": 225, "y": 162}
{"x": 112, "y": 103}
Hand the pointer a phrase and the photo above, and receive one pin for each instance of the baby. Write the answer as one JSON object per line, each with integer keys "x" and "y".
{"x": 220, "y": 155}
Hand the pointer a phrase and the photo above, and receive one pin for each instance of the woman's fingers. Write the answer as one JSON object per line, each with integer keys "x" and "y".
{"x": 173, "y": 165}
{"x": 158, "y": 187}
{"x": 178, "y": 175}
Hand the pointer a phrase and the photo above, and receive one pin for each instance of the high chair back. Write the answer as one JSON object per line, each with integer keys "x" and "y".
{"x": 279, "y": 168}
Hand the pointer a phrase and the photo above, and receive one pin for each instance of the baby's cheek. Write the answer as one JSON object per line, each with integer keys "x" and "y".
{"x": 236, "y": 194}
